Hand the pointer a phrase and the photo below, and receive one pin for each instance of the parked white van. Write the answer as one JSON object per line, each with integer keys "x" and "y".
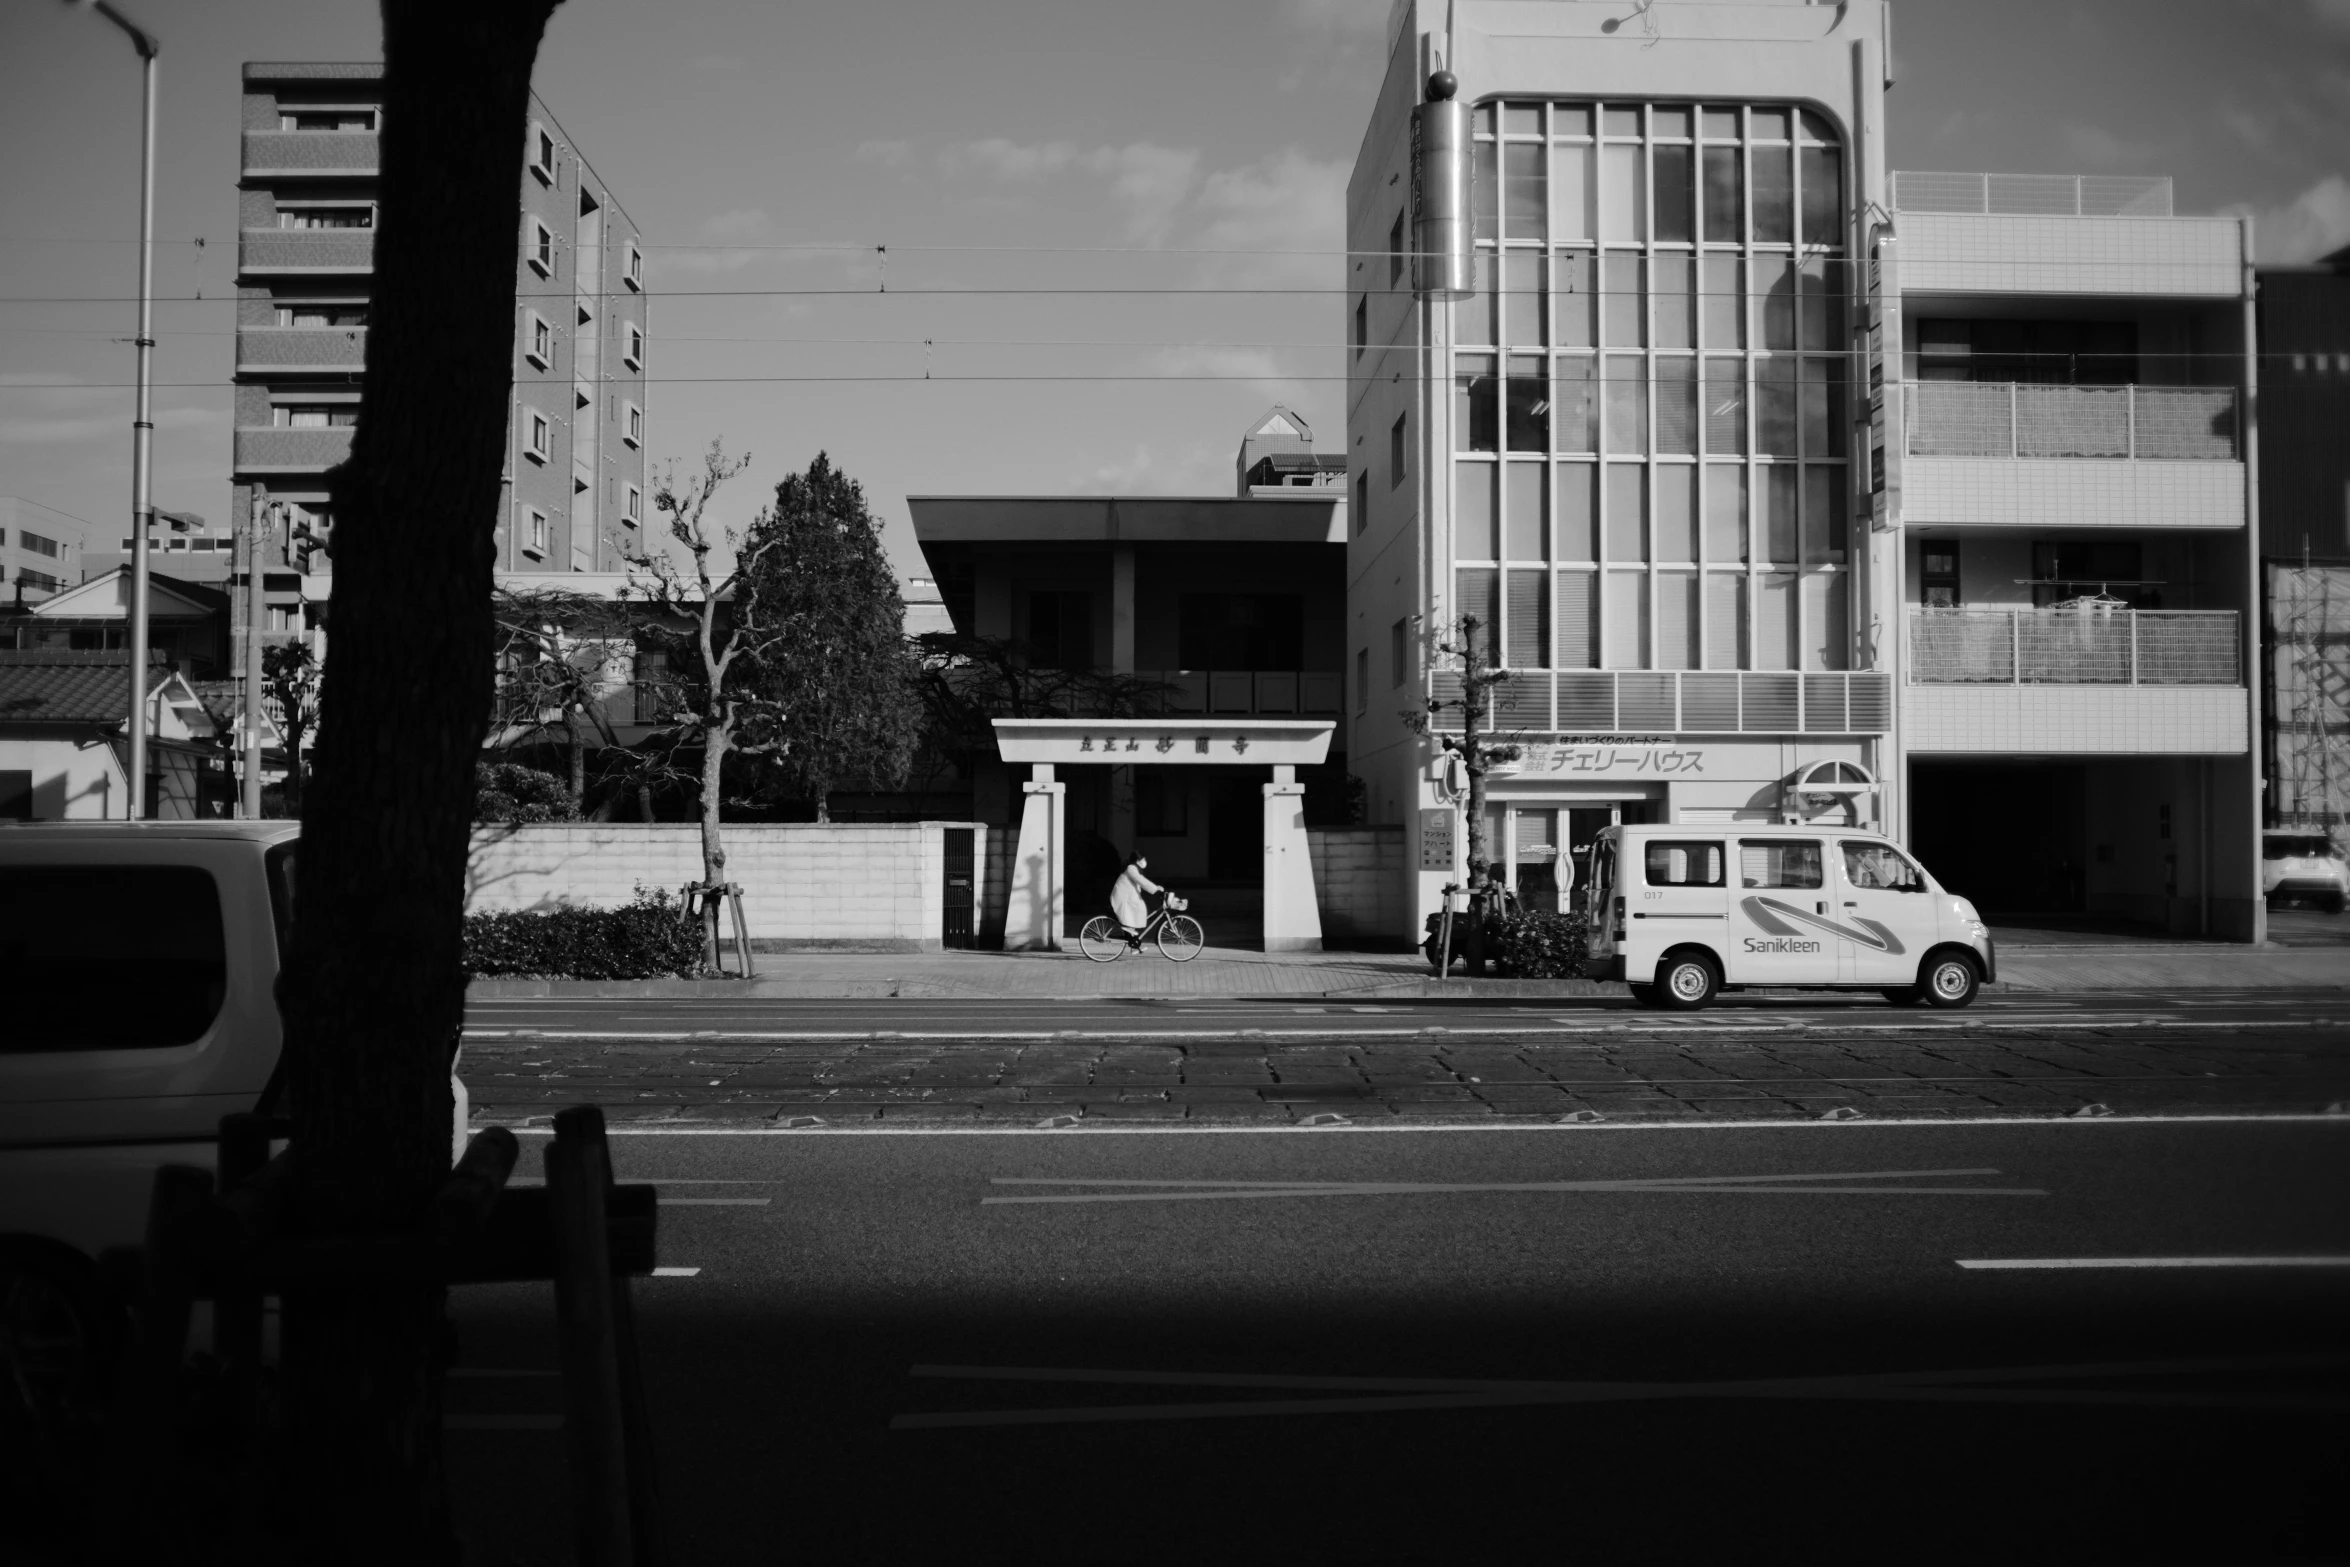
{"x": 1682, "y": 913}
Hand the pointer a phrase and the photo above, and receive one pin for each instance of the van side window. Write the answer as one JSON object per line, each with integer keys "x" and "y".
{"x": 1674, "y": 864}
{"x": 1780, "y": 862}
{"x": 110, "y": 957}
{"x": 1881, "y": 867}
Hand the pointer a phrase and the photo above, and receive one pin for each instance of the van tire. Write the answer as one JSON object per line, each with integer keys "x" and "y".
{"x": 1643, "y": 995}
{"x": 1949, "y": 978}
{"x": 1687, "y": 979}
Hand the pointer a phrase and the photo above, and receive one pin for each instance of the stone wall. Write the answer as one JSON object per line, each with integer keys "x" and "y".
{"x": 1359, "y": 882}
{"x": 870, "y": 886}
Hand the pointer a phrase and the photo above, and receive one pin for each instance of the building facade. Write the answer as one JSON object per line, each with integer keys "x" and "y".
{"x": 574, "y": 498}
{"x": 41, "y": 549}
{"x": 1753, "y": 460}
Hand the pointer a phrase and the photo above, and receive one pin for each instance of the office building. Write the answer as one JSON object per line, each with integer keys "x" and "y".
{"x": 41, "y": 549}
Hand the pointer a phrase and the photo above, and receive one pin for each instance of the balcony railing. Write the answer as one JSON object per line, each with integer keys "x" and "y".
{"x": 2076, "y": 647}
{"x": 311, "y": 154}
{"x": 1610, "y": 701}
{"x": 2005, "y": 419}
{"x": 305, "y": 251}
{"x": 1242, "y": 692}
{"x": 2034, "y": 195}
{"x": 301, "y": 348}
{"x": 271, "y": 449}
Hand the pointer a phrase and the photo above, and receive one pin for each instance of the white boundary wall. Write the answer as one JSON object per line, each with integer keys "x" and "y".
{"x": 861, "y": 885}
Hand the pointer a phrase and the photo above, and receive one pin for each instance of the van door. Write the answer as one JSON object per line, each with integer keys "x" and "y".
{"x": 1888, "y": 916}
{"x": 1684, "y": 895}
{"x": 1780, "y": 932}
{"x": 1599, "y": 939}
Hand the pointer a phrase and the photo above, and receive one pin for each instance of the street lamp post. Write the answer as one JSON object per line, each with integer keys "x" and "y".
{"x": 143, "y": 427}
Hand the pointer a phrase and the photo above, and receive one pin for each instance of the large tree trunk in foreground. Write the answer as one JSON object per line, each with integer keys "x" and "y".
{"x": 373, "y": 993}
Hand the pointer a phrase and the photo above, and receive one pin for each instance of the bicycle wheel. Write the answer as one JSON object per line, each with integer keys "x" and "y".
{"x": 1102, "y": 940}
{"x": 1180, "y": 938}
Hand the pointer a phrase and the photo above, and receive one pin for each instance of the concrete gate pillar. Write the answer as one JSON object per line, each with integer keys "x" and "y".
{"x": 1293, "y": 917}
{"x": 1033, "y": 920}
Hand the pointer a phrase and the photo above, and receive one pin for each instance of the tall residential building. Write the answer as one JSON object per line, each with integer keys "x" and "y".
{"x": 40, "y": 549}
{"x": 575, "y": 472}
{"x": 1789, "y": 489}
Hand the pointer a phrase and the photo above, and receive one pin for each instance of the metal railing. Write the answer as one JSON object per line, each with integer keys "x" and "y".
{"x": 2009, "y": 419}
{"x": 1669, "y": 701}
{"x": 1241, "y": 692}
{"x": 2076, "y": 647}
{"x": 2034, "y": 195}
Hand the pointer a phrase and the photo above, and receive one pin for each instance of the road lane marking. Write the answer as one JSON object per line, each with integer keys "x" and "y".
{"x": 716, "y": 1202}
{"x": 1401, "y": 1126}
{"x": 675, "y": 1273}
{"x": 1209, "y": 1191}
{"x": 2053, "y": 1263}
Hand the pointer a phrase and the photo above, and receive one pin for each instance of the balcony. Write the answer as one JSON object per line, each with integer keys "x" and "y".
{"x": 1242, "y": 693}
{"x": 266, "y": 449}
{"x": 311, "y": 155}
{"x": 2074, "y": 682}
{"x": 1999, "y": 454}
{"x": 1609, "y": 701}
{"x": 305, "y": 252}
{"x": 2059, "y": 234}
{"x": 299, "y": 349}
{"x": 2075, "y": 647}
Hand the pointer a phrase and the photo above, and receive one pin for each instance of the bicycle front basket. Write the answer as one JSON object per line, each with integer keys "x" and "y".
{"x": 1176, "y": 905}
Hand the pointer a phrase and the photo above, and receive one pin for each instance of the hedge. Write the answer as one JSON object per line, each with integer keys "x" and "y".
{"x": 1541, "y": 946}
{"x": 646, "y": 938}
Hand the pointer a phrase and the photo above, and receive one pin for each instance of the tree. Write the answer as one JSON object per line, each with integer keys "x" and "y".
{"x": 711, "y": 627}
{"x": 842, "y": 687}
{"x": 554, "y": 651}
{"x": 508, "y": 792}
{"x": 1468, "y": 644}
{"x": 373, "y": 991}
{"x": 290, "y": 678}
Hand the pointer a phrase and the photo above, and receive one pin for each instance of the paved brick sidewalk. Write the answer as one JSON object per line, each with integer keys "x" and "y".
{"x": 1733, "y": 1073}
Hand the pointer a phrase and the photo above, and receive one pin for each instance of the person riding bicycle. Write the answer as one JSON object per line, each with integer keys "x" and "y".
{"x": 1126, "y": 899}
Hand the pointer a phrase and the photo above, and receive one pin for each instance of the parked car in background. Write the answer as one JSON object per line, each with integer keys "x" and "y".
{"x": 2301, "y": 864}
{"x": 142, "y": 960}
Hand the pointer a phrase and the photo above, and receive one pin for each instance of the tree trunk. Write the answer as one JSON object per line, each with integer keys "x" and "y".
{"x": 644, "y": 801}
{"x": 578, "y": 748}
{"x": 714, "y": 738}
{"x": 294, "y": 773}
{"x": 373, "y": 991}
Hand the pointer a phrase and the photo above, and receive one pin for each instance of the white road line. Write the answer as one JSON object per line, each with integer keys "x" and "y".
{"x": 675, "y": 1273}
{"x": 2037, "y": 1263}
{"x": 716, "y": 1202}
{"x": 1458, "y": 1030}
{"x": 1400, "y": 1127}
{"x": 1210, "y": 1191}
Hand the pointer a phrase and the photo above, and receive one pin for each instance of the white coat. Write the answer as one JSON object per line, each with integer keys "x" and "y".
{"x": 1126, "y": 904}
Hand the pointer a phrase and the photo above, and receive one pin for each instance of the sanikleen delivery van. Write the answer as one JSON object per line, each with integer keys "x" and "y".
{"x": 1679, "y": 913}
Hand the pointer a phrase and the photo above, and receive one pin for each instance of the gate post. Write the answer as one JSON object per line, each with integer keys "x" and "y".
{"x": 1293, "y": 916}
{"x": 1034, "y": 916}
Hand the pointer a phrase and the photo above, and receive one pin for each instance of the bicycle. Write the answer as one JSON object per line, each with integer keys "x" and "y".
{"x": 1179, "y": 937}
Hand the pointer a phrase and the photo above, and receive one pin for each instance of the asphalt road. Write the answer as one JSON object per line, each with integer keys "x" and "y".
{"x": 1613, "y": 1343}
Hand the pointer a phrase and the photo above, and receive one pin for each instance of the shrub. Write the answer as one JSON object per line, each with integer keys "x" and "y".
{"x": 510, "y": 792}
{"x": 1541, "y": 946}
{"x": 646, "y": 938}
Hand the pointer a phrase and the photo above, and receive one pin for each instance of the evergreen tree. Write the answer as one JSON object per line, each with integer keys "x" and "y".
{"x": 842, "y": 681}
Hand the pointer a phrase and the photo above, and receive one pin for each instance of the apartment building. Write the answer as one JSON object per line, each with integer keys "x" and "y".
{"x": 40, "y": 549}
{"x": 1788, "y": 489}
{"x": 575, "y": 493}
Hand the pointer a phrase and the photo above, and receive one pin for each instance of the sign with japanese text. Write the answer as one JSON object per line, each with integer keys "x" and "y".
{"x": 1436, "y": 838}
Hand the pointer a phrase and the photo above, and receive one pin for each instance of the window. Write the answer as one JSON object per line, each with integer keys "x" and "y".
{"x": 1362, "y": 681}
{"x": 327, "y": 215}
{"x": 1060, "y": 630}
{"x": 2073, "y": 568}
{"x": 16, "y": 796}
{"x": 322, "y": 313}
{"x": 1674, "y": 864}
{"x": 541, "y": 349}
{"x": 632, "y": 428}
{"x": 1362, "y": 504}
{"x": 1240, "y": 631}
{"x": 38, "y": 544}
{"x": 1160, "y": 801}
{"x": 1399, "y": 659}
{"x": 1395, "y": 252}
{"x": 1938, "y": 574}
{"x": 634, "y": 276}
{"x": 536, "y": 540}
{"x": 1880, "y": 867}
{"x": 314, "y": 416}
{"x": 1362, "y": 323}
{"x": 542, "y": 249}
{"x": 148, "y": 939}
{"x": 632, "y": 506}
{"x": 634, "y": 356}
{"x": 542, "y": 154}
{"x": 1395, "y": 443}
{"x": 1780, "y": 862}
{"x": 326, "y": 119}
{"x": 539, "y": 435}
{"x": 34, "y": 579}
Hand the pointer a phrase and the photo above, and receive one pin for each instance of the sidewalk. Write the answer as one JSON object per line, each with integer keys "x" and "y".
{"x": 2119, "y": 964}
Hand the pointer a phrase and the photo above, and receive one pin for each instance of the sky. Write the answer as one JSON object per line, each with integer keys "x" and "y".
{"x": 787, "y": 164}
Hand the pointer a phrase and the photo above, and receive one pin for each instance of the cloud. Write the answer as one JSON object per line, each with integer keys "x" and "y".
{"x": 738, "y": 223}
{"x": 888, "y": 154}
{"x": 716, "y": 62}
{"x": 1358, "y": 18}
{"x": 2313, "y": 224}
{"x": 2333, "y": 15}
{"x": 1148, "y": 182}
{"x": 2098, "y": 147}
{"x": 86, "y": 413}
{"x": 1285, "y": 215}
{"x": 998, "y": 158}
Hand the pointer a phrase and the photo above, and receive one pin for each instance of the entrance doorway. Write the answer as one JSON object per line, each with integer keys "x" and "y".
{"x": 2010, "y": 837}
{"x": 1236, "y": 828}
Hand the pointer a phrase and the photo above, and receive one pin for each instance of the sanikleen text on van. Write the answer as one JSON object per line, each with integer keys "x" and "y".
{"x": 1681, "y": 913}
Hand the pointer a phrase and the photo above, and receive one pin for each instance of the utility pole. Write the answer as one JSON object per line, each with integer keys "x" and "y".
{"x": 251, "y": 544}
{"x": 143, "y": 426}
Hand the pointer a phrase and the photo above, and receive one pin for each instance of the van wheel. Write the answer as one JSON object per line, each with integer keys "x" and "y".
{"x": 1949, "y": 980}
{"x": 2334, "y": 903}
{"x": 1686, "y": 981}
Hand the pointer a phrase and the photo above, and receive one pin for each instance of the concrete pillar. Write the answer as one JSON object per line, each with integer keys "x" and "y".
{"x": 1293, "y": 917}
{"x": 1033, "y": 918}
{"x": 1122, "y": 611}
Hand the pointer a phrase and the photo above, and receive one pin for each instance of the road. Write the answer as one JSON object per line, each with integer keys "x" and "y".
{"x": 1619, "y": 1342}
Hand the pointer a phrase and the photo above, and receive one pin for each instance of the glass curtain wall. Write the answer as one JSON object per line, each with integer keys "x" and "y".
{"x": 1650, "y": 403}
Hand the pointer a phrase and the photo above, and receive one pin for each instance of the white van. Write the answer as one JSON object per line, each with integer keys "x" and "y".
{"x": 1681, "y": 913}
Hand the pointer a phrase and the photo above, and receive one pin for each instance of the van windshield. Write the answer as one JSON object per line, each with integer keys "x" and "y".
{"x": 2295, "y": 846}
